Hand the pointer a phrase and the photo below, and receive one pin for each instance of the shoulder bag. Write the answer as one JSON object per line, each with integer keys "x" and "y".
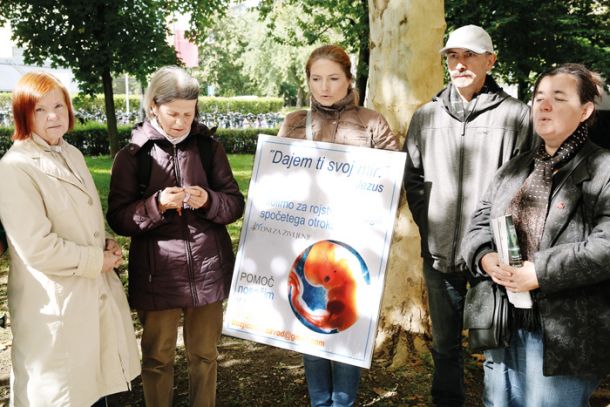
{"x": 487, "y": 316}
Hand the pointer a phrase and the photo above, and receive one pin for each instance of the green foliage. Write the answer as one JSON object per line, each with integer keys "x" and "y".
{"x": 240, "y": 104}
{"x": 92, "y": 139}
{"x": 241, "y": 164}
{"x": 99, "y": 38}
{"x": 311, "y": 22}
{"x": 203, "y": 14}
{"x": 316, "y": 22}
{"x": 96, "y": 102}
{"x": 92, "y": 37}
{"x": 5, "y": 100}
{"x": 532, "y": 36}
{"x": 100, "y": 167}
{"x": 220, "y": 53}
{"x": 240, "y": 57}
{"x": 95, "y": 38}
{"x": 275, "y": 68}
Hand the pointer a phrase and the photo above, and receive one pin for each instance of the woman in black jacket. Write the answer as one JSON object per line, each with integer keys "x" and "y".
{"x": 173, "y": 192}
{"x": 559, "y": 198}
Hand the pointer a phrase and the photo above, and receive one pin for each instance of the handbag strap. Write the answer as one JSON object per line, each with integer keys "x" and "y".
{"x": 309, "y": 126}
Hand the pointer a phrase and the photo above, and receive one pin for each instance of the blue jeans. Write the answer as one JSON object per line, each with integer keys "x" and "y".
{"x": 516, "y": 379}
{"x": 331, "y": 383}
{"x": 446, "y": 293}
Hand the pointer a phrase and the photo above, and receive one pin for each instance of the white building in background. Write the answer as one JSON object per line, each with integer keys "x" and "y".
{"x": 12, "y": 66}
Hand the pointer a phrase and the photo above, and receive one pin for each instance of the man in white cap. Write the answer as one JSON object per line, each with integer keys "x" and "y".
{"x": 455, "y": 143}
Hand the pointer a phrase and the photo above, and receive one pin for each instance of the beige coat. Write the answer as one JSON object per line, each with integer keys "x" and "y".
{"x": 73, "y": 338}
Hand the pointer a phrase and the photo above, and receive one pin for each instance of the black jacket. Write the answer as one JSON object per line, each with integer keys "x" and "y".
{"x": 174, "y": 261}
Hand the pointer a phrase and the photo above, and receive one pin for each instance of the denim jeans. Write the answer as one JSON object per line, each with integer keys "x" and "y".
{"x": 331, "y": 383}
{"x": 516, "y": 379}
{"x": 446, "y": 293}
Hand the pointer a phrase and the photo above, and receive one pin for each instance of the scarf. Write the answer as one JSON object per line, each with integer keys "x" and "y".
{"x": 529, "y": 207}
{"x": 173, "y": 140}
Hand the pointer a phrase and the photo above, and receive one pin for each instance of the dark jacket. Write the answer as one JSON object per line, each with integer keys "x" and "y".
{"x": 450, "y": 162}
{"x": 174, "y": 261}
{"x": 342, "y": 123}
{"x": 573, "y": 261}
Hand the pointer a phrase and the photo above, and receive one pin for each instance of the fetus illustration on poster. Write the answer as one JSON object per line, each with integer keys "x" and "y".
{"x": 324, "y": 285}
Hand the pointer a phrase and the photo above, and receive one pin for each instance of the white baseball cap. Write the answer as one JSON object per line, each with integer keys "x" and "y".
{"x": 471, "y": 37}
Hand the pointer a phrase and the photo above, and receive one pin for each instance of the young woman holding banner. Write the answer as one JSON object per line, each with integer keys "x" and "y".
{"x": 335, "y": 117}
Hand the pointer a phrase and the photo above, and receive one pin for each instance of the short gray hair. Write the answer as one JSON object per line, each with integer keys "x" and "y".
{"x": 167, "y": 84}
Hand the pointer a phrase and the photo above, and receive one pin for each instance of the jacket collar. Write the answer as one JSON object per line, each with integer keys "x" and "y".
{"x": 41, "y": 153}
{"x": 348, "y": 102}
{"x": 490, "y": 96}
{"x": 567, "y": 194}
{"x": 144, "y": 132}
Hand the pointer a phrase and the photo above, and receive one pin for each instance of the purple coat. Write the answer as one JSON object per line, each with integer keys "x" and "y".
{"x": 174, "y": 261}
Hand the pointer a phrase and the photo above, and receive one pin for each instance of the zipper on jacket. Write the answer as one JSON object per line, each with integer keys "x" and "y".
{"x": 187, "y": 245}
{"x": 191, "y": 272}
{"x": 458, "y": 215}
{"x": 177, "y": 166}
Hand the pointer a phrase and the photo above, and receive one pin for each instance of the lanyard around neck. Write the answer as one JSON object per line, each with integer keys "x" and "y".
{"x": 308, "y": 126}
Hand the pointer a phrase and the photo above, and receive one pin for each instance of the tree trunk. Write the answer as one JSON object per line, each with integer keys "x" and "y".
{"x": 523, "y": 91}
{"x": 362, "y": 70}
{"x": 405, "y": 71}
{"x": 113, "y": 138}
{"x": 300, "y": 96}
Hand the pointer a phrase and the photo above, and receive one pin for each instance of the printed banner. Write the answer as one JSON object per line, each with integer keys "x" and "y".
{"x": 313, "y": 250}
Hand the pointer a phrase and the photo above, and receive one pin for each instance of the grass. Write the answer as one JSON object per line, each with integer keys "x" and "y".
{"x": 100, "y": 167}
{"x": 241, "y": 164}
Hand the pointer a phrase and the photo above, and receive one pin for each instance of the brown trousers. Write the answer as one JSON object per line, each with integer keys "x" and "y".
{"x": 202, "y": 327}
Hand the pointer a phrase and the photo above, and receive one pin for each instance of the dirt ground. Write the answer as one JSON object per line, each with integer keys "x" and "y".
{"x": 253, "y": 375}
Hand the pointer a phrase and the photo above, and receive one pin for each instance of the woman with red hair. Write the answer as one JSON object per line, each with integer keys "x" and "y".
{"x": 73, "y": 339}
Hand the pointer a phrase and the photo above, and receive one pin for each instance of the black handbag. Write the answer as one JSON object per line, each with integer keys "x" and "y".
{"x": 487, "y": 316}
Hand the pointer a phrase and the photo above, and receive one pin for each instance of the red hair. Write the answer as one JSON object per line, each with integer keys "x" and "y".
{"x": 29, "y": 90}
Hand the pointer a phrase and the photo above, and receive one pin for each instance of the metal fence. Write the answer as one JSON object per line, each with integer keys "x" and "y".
{"x": 230, "y": 120}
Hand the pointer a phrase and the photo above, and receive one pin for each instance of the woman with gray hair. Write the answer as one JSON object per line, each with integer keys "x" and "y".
{"x": 173, "y": 192}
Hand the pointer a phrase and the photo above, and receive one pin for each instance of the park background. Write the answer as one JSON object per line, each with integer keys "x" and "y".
{"x": 249, "y": 58}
